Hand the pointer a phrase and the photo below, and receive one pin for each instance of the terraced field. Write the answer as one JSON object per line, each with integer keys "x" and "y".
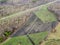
{"x": 30, "y": 26}
{"x": 15, "y": 18}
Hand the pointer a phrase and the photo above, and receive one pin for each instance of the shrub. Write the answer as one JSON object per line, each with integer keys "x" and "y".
{"x": 7, "y": 33}
{"x": 1, "y": 39}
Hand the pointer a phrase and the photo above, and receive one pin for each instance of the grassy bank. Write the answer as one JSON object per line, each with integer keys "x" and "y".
{"x": 45, "y": 15}
{"x": 20, "y": 40}
{"x": 38, "y": 37}
{"x": 23, "y": 40}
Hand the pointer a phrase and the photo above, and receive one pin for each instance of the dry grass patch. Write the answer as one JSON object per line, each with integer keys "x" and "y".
{"x": 55, "y": 35}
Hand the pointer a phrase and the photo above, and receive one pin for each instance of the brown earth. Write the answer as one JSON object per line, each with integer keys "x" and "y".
{"x": 13, "y": 23}
{"x": 13, "y": 6}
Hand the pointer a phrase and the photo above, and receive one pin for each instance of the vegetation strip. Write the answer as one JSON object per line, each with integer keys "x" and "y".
{"x": 45, "y": 15}
{"x": 23, "y": 40}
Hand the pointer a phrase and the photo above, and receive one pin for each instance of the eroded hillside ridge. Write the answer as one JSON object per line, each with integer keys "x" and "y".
{"x": 18, "y": 22}
{"x": 13, "y": 6}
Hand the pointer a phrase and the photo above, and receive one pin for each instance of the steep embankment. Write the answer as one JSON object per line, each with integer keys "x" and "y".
{"x": 37, "y": 8}
{"x": 9, "y": 22}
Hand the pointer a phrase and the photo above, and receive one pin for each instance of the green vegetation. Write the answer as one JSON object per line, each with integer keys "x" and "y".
{"x": 45, "y": 15}
{"x": 1, "y": 39}
{"x": 7, "y": 33}
{"x": 53, "y": 42}
{"x": 37, "y": 38}
{"x": 22, "y": 40}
